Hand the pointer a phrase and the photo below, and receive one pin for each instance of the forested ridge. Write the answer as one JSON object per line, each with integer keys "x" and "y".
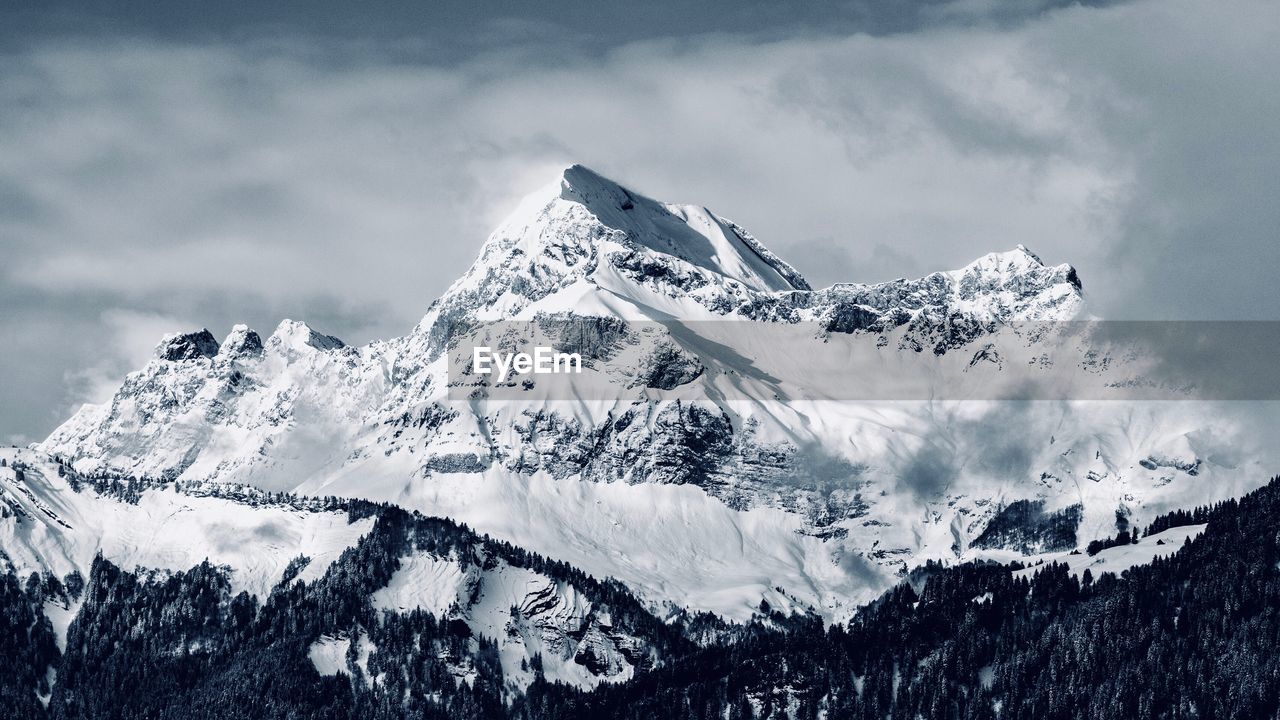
{"x": 1192, "y": 635}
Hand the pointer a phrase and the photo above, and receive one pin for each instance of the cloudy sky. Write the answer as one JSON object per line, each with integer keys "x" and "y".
{"x": 200, "y": 164}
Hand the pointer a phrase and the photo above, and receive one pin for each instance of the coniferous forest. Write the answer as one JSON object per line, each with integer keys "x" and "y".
{"x": 1192, "y": 635}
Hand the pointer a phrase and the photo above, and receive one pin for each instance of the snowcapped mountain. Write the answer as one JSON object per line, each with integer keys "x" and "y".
{"x": 726, "y": 461}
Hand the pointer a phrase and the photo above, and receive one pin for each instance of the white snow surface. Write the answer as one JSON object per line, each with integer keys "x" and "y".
{"x": 423, "y": 582}
{"x": 1116, "y": 560}
{"x": 329, "y": 655}
{"x": 681, "y": 546}
{"x": 63, "y": 530}
{"x": 60, "y": 615}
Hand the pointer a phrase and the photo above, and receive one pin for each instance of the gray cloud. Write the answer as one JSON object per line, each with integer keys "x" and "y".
{"x": 220, "y": 180}
{"x": 1191, "y": 98}
{"x": 453, "y": 30}
{"x": 995, "y": 440}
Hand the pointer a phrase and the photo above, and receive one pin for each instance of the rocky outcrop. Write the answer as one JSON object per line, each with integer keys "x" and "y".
{"x": 188, "y": 346}
{"x": 242, "y": 343}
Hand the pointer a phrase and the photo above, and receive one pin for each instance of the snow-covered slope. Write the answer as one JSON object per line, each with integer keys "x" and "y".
{"x": 55, "y": 523}
{"x": 48, "y": 526}
{"x": 727, "y": 454}
{"x": 1117, "y": 559}
{"x": 528, "y": 614}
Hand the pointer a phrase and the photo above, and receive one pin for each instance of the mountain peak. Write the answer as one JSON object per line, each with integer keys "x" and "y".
{"x": 1020, "y": 248}
{"x": 584, "y": 222}
{"x": 187, "y": 346}
{"x": 691, "y": 233}
{"x": 297, "y": 335}
{"x": 581, "y": 184}
{"x": 586, "y": 241}
{"x": 1017, "y": 263}
{"x": 241, "y": 342}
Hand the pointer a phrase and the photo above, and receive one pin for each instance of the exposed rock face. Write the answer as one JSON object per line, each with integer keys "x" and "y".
{"x": 593, "y": 337}
{"x": 668, "y": 367}
{"x": 189, "y": 346}
{"x": 683, "y": 444}
{"x": 242, "y": 343}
